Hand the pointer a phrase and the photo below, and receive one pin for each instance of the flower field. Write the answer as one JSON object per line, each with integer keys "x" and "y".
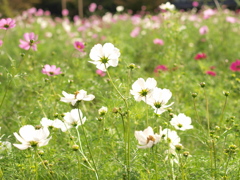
{"x": 122, "y": 96}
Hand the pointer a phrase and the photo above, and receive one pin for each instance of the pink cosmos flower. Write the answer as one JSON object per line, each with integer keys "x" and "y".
{"x": 92, "y": 7}
{"x": 7, "y": 23}
{"x": 160, "y": 68}
{"x": 65, "y": 12}
{"x": 1, "y": 43}
{"x": 51, "y": 70}
{"x": 208, "y": 13}
{"x": 135, "y": 32}
{"x": 231, "y": 19}
{"x": 158, "y": 41}
{"x": 203, "y": 30}
{"x": 39, "y": 12}
{"x": 30, "y": 41}
{"x": 79, "y": 46}
{"x": 211, "y": 73}
{"x": 200, "y": 56}
{"x": 235, "y": 66}
{"x": 100, "y": 72}
{"x": 195, "y": 4}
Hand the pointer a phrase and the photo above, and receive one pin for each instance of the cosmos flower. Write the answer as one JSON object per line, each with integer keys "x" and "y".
{"x": 102, "y": 111}
{"x": 211, "y": 73}
{"x": 135, "y": 32}
{"x": 203, "y": 30}
{"x": 104, "y": 56}
{"x": 231, "y": 19}
{"x": 195, "y": 4}
{"x": 74, "y": 118}
{"x": 92, "y": 7}
{"x": 100, "y": 72}
{"x": 80, "y": 95}
{"x": 181, "y": 122}
{"x": 142, "y": 90}
{"x": 79, "y": 46}
{"x": 159, "y": 99}
{"x": 51, "y": 70}
{"x": 146, "y": 138}
{"x": 158, "y": 42}
{"x": 30, "y": 41}
{"x": 235, "y": 66}
{"x": 167, "y": 6}
{"x": 45, "y": 122}
{"x": 170, "y": 137}
{"x": 200, "y": 56}
{"x": 160, "y": 68}
{"x": 7, "y": 23}
{"x": 65, "y": 12}
{"x": 31, "y": 137}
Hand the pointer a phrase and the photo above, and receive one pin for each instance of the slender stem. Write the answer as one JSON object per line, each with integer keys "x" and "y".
{"x": 215, "y": 158}
{"x": 88, "y": 146}
{"x": 223, "y": 109}
{"x": 207, "y": 113}
{"x": 44, "y": 165}
{"x": 128, "y": 124}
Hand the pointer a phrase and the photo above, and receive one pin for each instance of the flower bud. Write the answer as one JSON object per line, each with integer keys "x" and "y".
{"x": 75, "y": 147}
{"x": 186, "y": 153}
{"x": 41, "y": 152}
{"x": 194, "y": 95}
{"x": 226, "y": 93}
{"x": 202, "y": 84}
{"x": 131, "y": 66}
{"x": 179, "y": 147}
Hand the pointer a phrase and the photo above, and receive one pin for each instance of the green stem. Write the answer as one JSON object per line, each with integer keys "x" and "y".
{"x": 223, "y": 109}
{"x": 128, "y": 124}
{"x": 88, "y": 146}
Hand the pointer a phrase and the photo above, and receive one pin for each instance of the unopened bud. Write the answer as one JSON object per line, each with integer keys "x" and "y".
{"x": 202, "y": 84}
{"x": 75, "y": 147}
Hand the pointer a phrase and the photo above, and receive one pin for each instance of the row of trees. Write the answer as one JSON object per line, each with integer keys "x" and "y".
{"x": 10, "y": 8}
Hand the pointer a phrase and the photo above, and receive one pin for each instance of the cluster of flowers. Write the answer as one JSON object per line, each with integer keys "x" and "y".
{"x": 29, "y": 136}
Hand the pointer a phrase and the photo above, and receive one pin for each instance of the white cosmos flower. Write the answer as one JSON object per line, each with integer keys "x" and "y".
{"x": 181, "y": 122}
{"x": 104, "y": 56}
{"x": 102, "y": 111}
{"x": 45, "y": 122}
{"x": 167, "y": 6}
{"x": 172, "y": 156}
{"x": 170, "y": 137}
{"x": 80, "y": 95}
{"x": 146, "y": 138}
{"x": 159, "y": 99}
{"x": 31, "y": 137}
{"x": 74, "y": 118}
{"x": 142, "y": 90}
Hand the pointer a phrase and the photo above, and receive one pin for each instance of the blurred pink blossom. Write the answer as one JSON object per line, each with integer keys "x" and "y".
{"x": 47, "y": 13}
{"x": 92, "y": 7}
{"x": 32, "y": 10}
{"x": 160, "y": 68}
{"x": 30, "y": 41}
{"x": 158, "y": 41}
{"x": 65, "y": 12}
{"x": 39, "y": 12}
{"x": 51, "y": 70}
{"x": 208, "y": 13}
{"x": 195, "y": 4}
{"x": 100, "y": 72}
{"x": 7, "y": 23}
{"x": 231, "y": 19}
{"x": 135, "y": 32}
{"x": 211, "y": 73}
{"x": 203, "y": 30}
{"x": 200, "y": 56}
{"x": 79, "y": 46}
{"x": 1, "y": 43}
{"x": 235, "y": 66}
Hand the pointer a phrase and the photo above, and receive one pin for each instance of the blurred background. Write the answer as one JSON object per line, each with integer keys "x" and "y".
{"x": 11, "y": 8}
